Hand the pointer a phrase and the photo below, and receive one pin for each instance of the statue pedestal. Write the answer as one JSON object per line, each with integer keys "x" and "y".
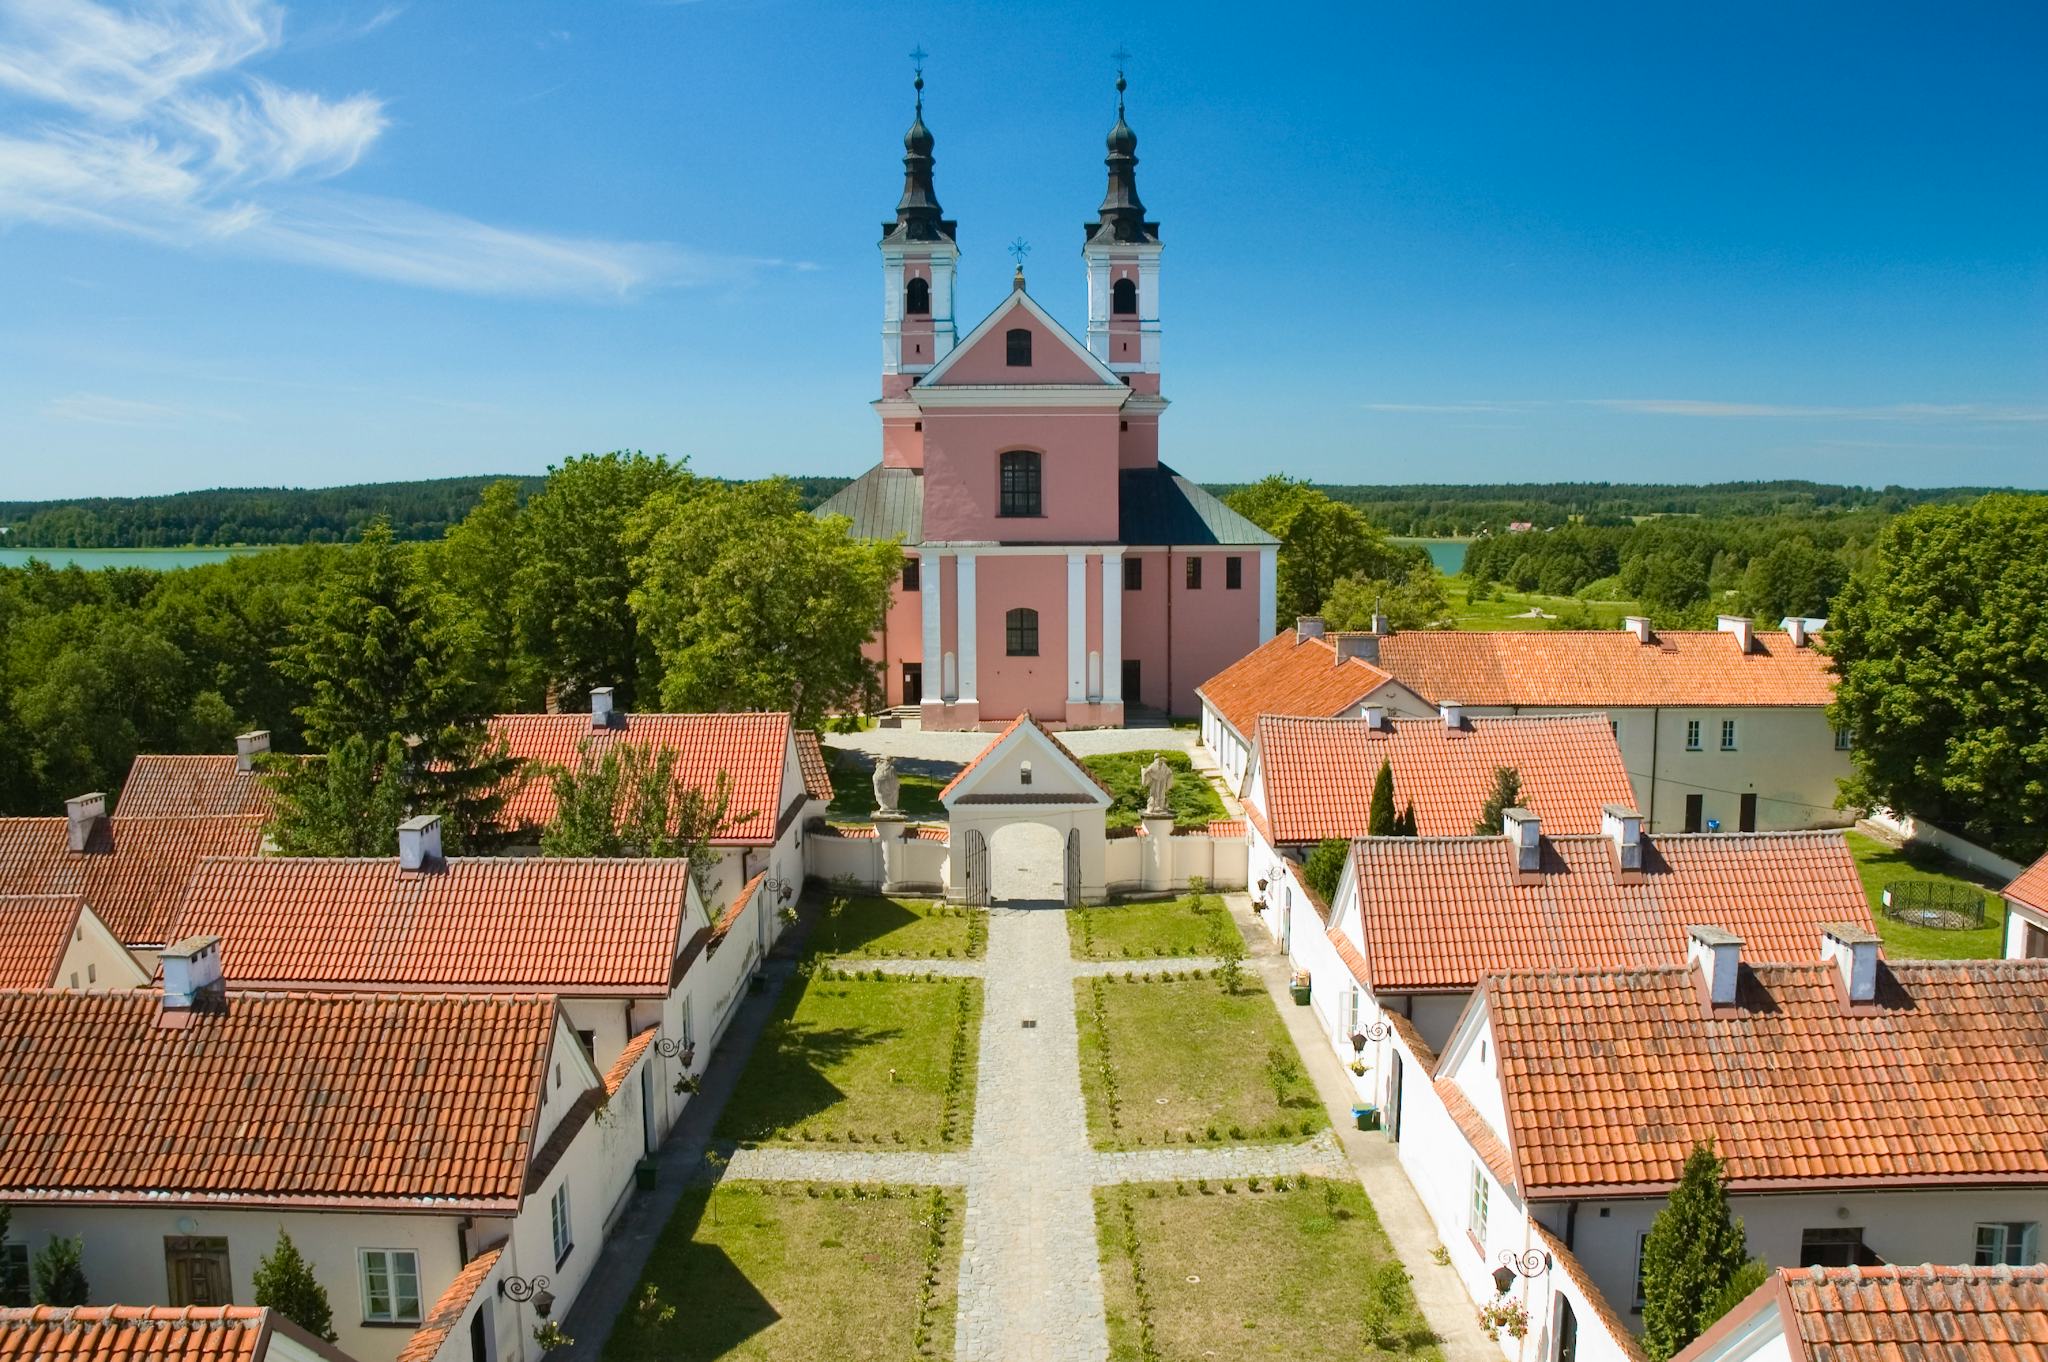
{"x": 1158, "y": 863}
{"x": 890, "y": 829}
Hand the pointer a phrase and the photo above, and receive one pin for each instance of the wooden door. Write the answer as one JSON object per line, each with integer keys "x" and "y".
{"x": 1132, "y": 675}
{"x": 1746, "y": 821}
{"x": 913, "y": 683}
{"x": 197, "y": 1269}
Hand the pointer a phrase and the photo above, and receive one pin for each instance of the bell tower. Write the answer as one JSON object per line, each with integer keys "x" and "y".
{"x": 919, "y": 259}
{"x": 1122, "y": 254}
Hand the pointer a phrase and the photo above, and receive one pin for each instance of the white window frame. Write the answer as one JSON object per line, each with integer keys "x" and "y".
{"x": 1727, "y": 735}
{"x": 1480, "y": 1203}
{"x": 1845, "y": 740}
{"x": 1692, "y": 735}
{"x": 2001, "y": 1247}
{"x": 1642, "y": 1242}
{"x": 561, "y": 1228}
{"x": 388, "y": 1261}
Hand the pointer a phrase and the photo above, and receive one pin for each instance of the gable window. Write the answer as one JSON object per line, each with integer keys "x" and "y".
{"x": 2007, "y": 1245}
{"x": 1233, "y": 573}
{"x": 1727, "y": 735}
{"x": 917, "y": 298}
{"x": 1024, "y": 773}
{"x": 1692, "y": 735}
{"x": 1123, "y": 298}
{"x": 1195, "y": 574}
{"x": 558, "y": 1223}
{"x": 1134, "y": 574}
{"x": 1475, "y": 1215}
{"x": 1022, "y": 489}
{"x": 1020, "y": 629}
{"x": 911, "y": 580}
{"x": 1017, "y": 347}
{"x": 391, "y": 1286}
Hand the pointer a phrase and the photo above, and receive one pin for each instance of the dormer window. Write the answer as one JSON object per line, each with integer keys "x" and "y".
{"x": 1018, "y": 341}
{"x": 1123, "y": 298}
{"x": 917, "y": 298}
{"x": 1020, "y": 485}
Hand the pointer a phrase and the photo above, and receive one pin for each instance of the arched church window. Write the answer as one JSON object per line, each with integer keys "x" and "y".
{"x": 1021, "y": 629}
{"x": 1019, "y": 341}
{"x": 1123, "y": 297}
{"x": 917, "y": 298}
{"x": 1021, "y": 489}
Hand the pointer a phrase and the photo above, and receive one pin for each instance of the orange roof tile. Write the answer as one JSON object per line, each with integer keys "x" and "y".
{"x": 810, "y": 756}
{"x": 1885, "y": 1314}
{"x": 1348, "y": 953}
{"x": 161, "y": 785}
{"x": 1610, "y": 1078}
{"x": 147, "y": 1333}
{"x": 750, "y": 749}
{"x": 1043, "y": 732}
{"x": 622, "y": 1067}
{"x": 1477, "y": 1133}
{"x": 341, "y": 1099}
{"x": 448, "y": 1311}
{"x": 2031, "y": 886}
{"x": 1224, "y": 829}
{"x": 1606, "y": 668}
{"x": 35, "y": 930}
{"x": 1318, "y": 774}
{"x": 501, "y": 924}
{"x": 1287, "y": 675}
{"x": 1440, "y": 913}
{"x": 133, "y": 870}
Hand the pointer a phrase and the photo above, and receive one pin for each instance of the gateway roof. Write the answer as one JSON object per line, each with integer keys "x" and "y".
{"x": 1607, "y": 669}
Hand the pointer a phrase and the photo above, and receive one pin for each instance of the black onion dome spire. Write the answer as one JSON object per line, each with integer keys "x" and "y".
{"x": 918, "y": 215}
{"x": 1123, "y": 213}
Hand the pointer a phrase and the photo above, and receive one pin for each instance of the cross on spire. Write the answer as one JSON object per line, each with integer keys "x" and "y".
{"x": 1018, "y": 250}
{"x": 1121, "y": 57}
{"x": 917, "y": 56}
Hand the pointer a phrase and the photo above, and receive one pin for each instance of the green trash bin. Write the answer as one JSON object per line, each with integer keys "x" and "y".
{"x": 643, "y": 1175}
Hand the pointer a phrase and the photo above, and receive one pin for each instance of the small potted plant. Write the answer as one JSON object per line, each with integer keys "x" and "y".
{"x": 1358, "y": 1068}
{"x": 1504, "y": 1315}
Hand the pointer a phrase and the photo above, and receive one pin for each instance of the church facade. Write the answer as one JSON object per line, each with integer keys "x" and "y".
{"x": 1052, "y": 563}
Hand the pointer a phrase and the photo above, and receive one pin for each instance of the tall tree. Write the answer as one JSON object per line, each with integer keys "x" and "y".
{"x": 1941, "y": 642}
{"x": 1321, "y": 541}
{"x": 347, "y": 801}
{"x": 285, "y": 1282}
{"x": 750, "y": 602}
{"x": 1695, "y": 1248}
{"x": 1413, "y": 601}
{"x": 1506, "y": 793}
{"x": 477, "y": 562}
{"x": 1324, "y": 868}
{"x": 1381, "y": 820}
{"x": 627, "y": 801}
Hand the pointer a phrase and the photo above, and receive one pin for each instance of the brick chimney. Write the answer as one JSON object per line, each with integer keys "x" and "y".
{"x": 1307, "y": 627}
{"x": 1623, "y": 826}
{"x": 1717, "y": 953}
{"x": 601, "y": 711}
{"x": 193, "y": 979}
{"x": 1639, "y": 625}
{"x": 1852, "y": 950}
{"x": 1452, "y": 713}
{"x": 84, "y": 813}
{"x": 249, "y": 746}
{"x": 1742, "y": 626}
{"x": 419, "y": 843}
{"x": 1524, "y": 831}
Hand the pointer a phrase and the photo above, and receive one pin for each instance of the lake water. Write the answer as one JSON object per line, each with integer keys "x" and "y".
{"x": 1447, "y": 554}
{"x": 159, "y": 559}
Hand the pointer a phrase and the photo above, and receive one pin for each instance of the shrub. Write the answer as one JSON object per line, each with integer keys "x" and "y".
{"x": 285, "y": 1282}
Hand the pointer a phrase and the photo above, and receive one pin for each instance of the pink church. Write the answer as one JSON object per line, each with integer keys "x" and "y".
{"x": 1053, "y": 563}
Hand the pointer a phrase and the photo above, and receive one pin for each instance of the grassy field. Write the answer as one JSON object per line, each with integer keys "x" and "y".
{"x": 1185, "y": 1062}
{"x": 1880, "y": 865}
{"x": 1502, "y": 608}
{"x": 1191, "y": 797}
{"x": 862, "y": 1063}
{"x": 853, "y": 791}
{"x": 883, "y": 928}
{"x": 1168, "y": 927}
{"x": 1305, "y": 1274}
{"x": 780, "y": 1272}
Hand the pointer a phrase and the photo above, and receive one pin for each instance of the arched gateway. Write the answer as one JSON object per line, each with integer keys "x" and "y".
{"x": 1026, "y": 778}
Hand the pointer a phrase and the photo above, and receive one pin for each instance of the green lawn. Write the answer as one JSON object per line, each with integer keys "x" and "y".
{"x": 1304, "y": 1274}
{"x": 1880, "y": 865}
{"x": 862, "y": 1063}
{"x": 878, "y": 928}
{"x": 783, "y": 1272}
{"x": 853, "y": 790}
{"x": 1168, "y": 927}
{"x": 1504, "y": 608}
{"x": 1191, "y": 797}
{"x": 1185, "y": 1062}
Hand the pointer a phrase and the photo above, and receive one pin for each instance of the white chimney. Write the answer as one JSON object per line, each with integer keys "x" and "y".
{"x": 1350, "y": 645}
{"x": 601, "y": 707}
{"x": 1639, "y": 625}
{"x": 1624, "y": 827}
{"x": 192, "y": 972}
{"x": 249, "y": 746}
{"x": 1452, "y": 712}
{"x": 84, "y": 814}
{"x": 419, "y": 842}
{"x": 1852, "y": 950}
{"x": 1795, "y": 626}
{"x": 1307, "y": 627}
{"x": 1525, "y": 831}
{"x": 1379, "y": 623}
{"x": 1376, "y": 718}
{"x": 1718, "y": 955}
{"x": 1743, "y": 627}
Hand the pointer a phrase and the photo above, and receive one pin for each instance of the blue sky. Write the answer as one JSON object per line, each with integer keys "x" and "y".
{"x": 245, "y": 242}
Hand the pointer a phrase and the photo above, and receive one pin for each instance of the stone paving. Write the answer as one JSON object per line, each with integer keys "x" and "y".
{"x": 1167, "y": 965}
{"x": 960, "y": 969}
{"x": 838, "y": 1165}
{"x": 1320, "y": 1157}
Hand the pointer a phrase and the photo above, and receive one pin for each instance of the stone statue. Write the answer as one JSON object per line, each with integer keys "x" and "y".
{"x": 887, "y": 785}
{"x": 1158, "y": 778}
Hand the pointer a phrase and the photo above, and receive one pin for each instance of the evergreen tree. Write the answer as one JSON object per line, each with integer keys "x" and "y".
{"x": 1405, "y": 825}
{"x": 1381, "y": 821}
{"x": 1752, "y": 1275}
{"x": 1325, "y": 866}
{"x": 59, "y": 1273}
{"x": 1507, "y": 792}
{"x": 1695, "y": 1249}
{"x": 285, "y": 1282}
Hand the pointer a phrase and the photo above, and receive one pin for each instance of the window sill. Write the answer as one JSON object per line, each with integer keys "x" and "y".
{"x": 391, "y": 1324}
{"x": 1020, "y": 515}
{"x": 564, "y": 1256}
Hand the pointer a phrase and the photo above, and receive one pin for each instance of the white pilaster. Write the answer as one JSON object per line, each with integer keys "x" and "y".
{"x": 1077, "y": 627}
{"x": 1269, "y": 565}
{"x": 963, "y": 611}
{"x": 1112, "y": 626}
{"x": 930, "y": 576}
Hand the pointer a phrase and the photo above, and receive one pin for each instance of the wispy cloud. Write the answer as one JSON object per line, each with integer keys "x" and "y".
{"x": 101, "y": 410}
{"x": 1956, "y": 413}
{"x": 151, "y": 127}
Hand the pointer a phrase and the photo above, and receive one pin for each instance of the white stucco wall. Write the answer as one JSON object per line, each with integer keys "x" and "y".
{"x": 95, "y": 961}
{"x": 2018, "y": 918}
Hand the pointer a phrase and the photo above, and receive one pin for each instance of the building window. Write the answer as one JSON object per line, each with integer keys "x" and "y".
{"x": 1475, "y": 1219}
{"x": 912, "y": 581}
{"x": 1692, "y": 735}
{"x": 917, "y": 298}
{"x": 1020, "y": 628}
{"x": 588, "y": 1039}
{"x": 558, "y": 1223}
{"x": 14, "y": 1275}
{"x": 1614, "y": 727}
{"x": 1195, "y": 573}
{"x": 1134, "y": 574}
{"x": 1024, "y": 773}
{"x": 1123, "y": 298}
{"x": 1833, "y": 1248}
{"x": 2007, "y": 1245}
{"x": 1641, "y": 1241}
{"x": 1845, "y": 740}
{"x": 1018, "y": 352}
{"x": 391, "y": 1286}
{"x": 1233, "y": 573}
{"x": 1022, "y": 490}
{"x": 1727, "y": 735}
{"x": 689, "y": 1024}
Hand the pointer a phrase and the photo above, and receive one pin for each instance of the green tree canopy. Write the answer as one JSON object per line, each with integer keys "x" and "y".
{"x": 1324, "y": 869}
{"x": 57, "y": 1273}
{"x": 1321, "y": 542}
{"x": 627, "y": 801}
{"x": 1695, "y": 1248}
{"x": 1413, "y": 601}
{"x": 1506, "y": 794}
{"x": 285, "y": 1282}
{"x": 1381, "y": 820}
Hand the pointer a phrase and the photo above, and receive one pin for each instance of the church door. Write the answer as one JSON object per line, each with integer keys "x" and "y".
{"x": 913, "y": 683}
{"x": 1073, "y": 893}
{"x": 974, "y": 853}
{"x": 1132, "y": 696}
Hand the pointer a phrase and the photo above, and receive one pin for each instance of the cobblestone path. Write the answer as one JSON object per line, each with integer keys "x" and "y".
{"x": 838, "y": 1165}
{"x": 1320, "y": 1157}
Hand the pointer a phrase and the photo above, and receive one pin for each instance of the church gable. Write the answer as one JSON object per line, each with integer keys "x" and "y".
{"x": 984, "y": 355}
{"x": 1025, "y": 764}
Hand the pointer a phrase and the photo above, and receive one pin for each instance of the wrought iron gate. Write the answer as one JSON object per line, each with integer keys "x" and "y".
{"x": 974, "y": 853}
{"x": 1073, "y": 888}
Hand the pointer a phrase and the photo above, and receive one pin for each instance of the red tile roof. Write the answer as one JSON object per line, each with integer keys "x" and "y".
{"x": 622, "y": 1067}
{"x": 146, "y": 1333}
{"x": 500, "y": 924}
{"x": 1020, "y": 721}
{"x": 362, "y": 1101}
{"x": 166, "y": 786}
{"x": 1477, "y": 1133}
{"x": 133, "y": 870}
{"x": 1610, "y": 1078}
{"x": 810, "y": 756}
{"x": 35, "y": 930}
{"x": 1440, "y": 913}
{"x": 2031, "y": 887}
{"x": 1318, "y": 774}
{"x": 750, "y": 749}
{"x": 448, "y": 1311}
{"x": 1287, "y": 675}
{"x": 1889, "y": 1314}
{"x": 1606, "y": 669}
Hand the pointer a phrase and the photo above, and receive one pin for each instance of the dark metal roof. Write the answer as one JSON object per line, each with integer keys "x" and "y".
{"x": 882, "y": 503}
{"x": 1159, "y": 506}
